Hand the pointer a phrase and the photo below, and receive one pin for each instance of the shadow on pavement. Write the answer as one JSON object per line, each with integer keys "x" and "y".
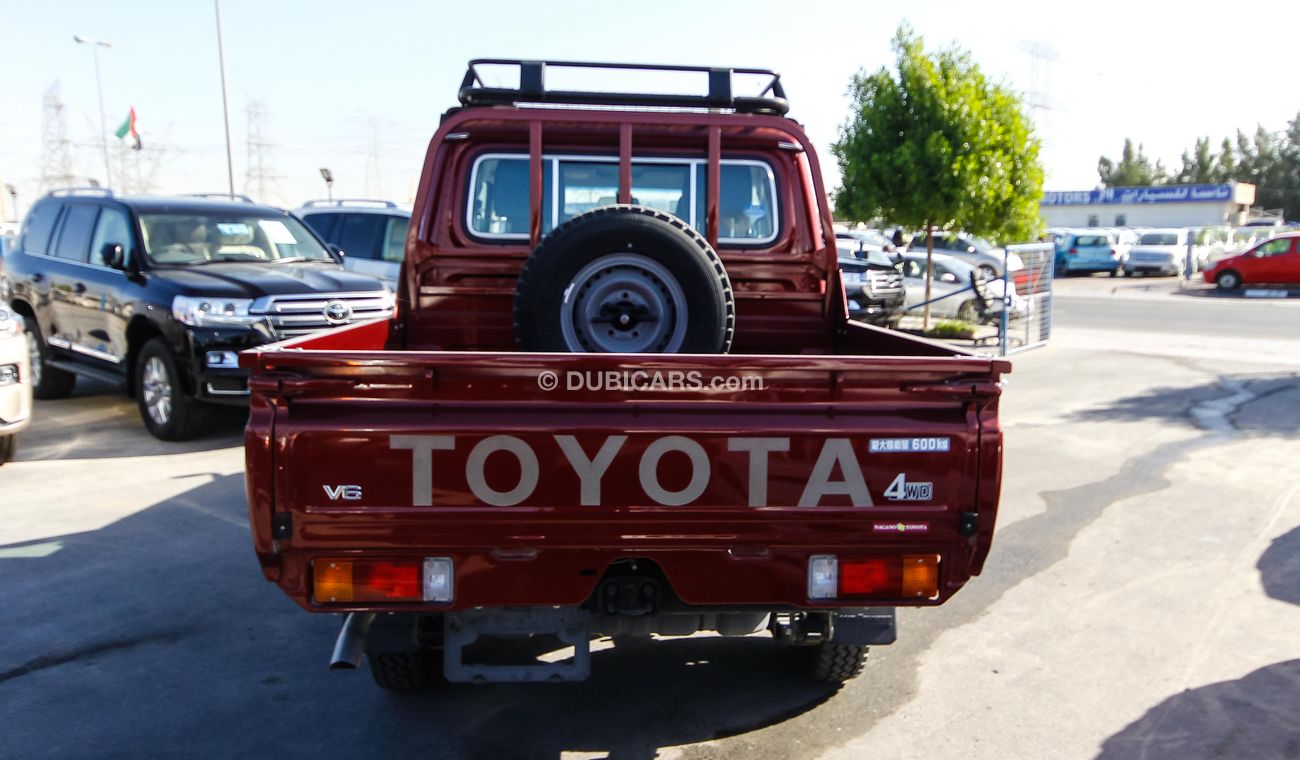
{"x": 1274, "y": 410}
{"x": 1279, "y": 570}
{"x": 1254, "y": 716}
{"x": 99, "y": 421}
{"x": 158, "y": 635}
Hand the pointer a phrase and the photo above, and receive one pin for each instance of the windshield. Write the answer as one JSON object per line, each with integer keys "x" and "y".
{"x": 1159, "y": 238}
{"x": 186, "y": 238}
{"x": 981, "y": 245}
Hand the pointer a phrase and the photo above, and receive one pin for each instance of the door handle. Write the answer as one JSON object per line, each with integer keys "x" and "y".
{"x": 79, "y": 288}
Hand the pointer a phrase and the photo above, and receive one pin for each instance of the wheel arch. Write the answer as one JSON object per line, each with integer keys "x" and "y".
{"x": 139, "y": 331}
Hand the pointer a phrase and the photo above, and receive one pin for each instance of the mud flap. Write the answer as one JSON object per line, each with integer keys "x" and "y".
{"x": 570, "y": 626}
{"x": 864, "y": 625}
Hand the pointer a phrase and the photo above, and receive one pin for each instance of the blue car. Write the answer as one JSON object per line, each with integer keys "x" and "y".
{"x": 1087, "y": 252}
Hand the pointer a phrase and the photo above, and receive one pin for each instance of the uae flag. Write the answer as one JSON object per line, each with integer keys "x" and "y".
{"x": 127, "y": 131}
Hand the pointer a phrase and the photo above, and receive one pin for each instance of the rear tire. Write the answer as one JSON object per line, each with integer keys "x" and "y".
{"x": 405, "y": 672}
{"x": 968, "y": 312}
{"x": 168, "y": 412}
{"x": 47, "y": 382}
{"x": 835, "y": 663}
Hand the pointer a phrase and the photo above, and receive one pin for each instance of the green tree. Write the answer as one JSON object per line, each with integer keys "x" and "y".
{"x": 1134, "y": 169}
{"x": 934, "y": 143}
{"x": 1198, "y": 166}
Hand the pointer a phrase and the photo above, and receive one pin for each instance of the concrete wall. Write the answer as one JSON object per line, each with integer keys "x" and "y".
{"x": 1141, "y": 214}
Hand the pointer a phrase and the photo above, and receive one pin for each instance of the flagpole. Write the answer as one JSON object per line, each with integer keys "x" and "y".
{"x": 225, "y": 108}
{"x": 95, "y": 45}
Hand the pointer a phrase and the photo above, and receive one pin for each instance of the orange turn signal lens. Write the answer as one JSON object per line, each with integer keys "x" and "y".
{"x": 341, "y": 580}
{"x": 921, "y": 576}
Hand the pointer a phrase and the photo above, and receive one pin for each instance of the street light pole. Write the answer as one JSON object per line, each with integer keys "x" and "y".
{"x": 95, "y": 45}
{"x": 225, "y": 107}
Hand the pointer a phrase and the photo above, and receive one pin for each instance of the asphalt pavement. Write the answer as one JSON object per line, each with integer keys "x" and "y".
{"x": 1142, "y": 598}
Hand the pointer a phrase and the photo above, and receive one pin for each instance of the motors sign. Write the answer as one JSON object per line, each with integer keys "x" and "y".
{"x": 1129, "y": 195}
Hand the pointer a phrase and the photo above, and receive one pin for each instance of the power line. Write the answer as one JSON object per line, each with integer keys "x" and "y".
{"x": 56, "y": 148}
{"x": 260, "y": 176}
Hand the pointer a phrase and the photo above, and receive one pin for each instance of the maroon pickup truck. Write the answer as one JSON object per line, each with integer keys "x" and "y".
{"x": 621, "y": 397}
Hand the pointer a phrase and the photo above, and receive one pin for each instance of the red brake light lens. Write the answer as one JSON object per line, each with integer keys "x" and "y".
{"x": 341, "y": 580}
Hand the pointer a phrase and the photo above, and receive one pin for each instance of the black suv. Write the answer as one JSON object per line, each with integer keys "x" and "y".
{"x": 159, "y": 294}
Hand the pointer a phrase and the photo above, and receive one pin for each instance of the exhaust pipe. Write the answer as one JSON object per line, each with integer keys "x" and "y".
{"x": 351, "y": 644}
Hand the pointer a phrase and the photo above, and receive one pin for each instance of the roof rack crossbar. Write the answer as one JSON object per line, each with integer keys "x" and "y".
{"x": 327, "y": 202}
{"x": 532, "y": 87}
{"x": 231, "y": 196}
{"x": 96, "y": 190}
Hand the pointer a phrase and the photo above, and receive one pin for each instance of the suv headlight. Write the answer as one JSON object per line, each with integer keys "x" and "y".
{"x": 213, "y": 312}
{"x": 10, "y": 323}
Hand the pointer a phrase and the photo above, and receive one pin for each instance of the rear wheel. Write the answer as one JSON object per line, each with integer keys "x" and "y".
{"x": 989, "y": 272}
{"x": 168, "y": 412}
{"x": 407, "y": 671}
{"x": 1228, "y": 280}
{"x": 47, "y": 382}
{"x": 968, "y": 312}
{"x": 834, "y": 663}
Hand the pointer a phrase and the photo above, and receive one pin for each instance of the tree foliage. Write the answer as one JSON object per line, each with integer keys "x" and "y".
{"x": 934, "y": 142}
{"x": 1268, "y": 160}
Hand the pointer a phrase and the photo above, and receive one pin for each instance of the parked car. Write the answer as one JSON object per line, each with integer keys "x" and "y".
{"x": 977, "y": 252}
{"x": 858, "y": 243}
{"x": 1159, "y": 251}
{"x": 951, "y": 277}
{"x": 1088, "y": 252}
{"x": 569, "y": 430}
{"x": 1272, "y": 262}
{"x": 371, "y": 235}
{"x": 15, "y": 381}
{"x": 157, "y": 295}
{"x": 873, "y": 286}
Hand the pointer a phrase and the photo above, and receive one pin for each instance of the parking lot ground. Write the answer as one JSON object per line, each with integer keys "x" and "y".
{"x": 1141, "y": 598}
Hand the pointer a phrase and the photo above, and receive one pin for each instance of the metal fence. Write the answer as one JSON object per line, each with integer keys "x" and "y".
{"x": 1026, "y": 320}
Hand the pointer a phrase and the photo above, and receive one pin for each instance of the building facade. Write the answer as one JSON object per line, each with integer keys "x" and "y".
{"x": 1161, "y": 206}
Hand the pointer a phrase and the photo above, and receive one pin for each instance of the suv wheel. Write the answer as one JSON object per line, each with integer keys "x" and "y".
{"x": 47, "y": 382}
{"x": 624, "y": 279}
{"x": 168, "y": 413}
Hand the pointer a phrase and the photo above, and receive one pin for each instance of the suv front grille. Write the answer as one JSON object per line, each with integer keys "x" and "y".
{"x": 292, "y": 316}
{"x": 881, "y": 283}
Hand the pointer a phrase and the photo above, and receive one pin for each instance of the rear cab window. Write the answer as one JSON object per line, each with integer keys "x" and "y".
{"x": 498, "y": 206}
{"x": 38, "y": 227}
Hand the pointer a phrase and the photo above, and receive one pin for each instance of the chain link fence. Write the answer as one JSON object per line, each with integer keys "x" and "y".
{"x": 1027, "y": 306}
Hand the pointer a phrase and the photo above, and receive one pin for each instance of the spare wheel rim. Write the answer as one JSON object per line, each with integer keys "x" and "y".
{"x": 624, "y": 303}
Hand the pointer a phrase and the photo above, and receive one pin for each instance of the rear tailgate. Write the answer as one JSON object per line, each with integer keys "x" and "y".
{"x": 536, "y": 471}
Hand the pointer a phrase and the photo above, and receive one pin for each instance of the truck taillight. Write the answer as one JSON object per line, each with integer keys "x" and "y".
{"x": 831, "y": 577}
{"x": 345, "y": 580}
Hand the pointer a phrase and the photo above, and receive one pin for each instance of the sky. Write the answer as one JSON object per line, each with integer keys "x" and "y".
{"x": 358, "y": 87}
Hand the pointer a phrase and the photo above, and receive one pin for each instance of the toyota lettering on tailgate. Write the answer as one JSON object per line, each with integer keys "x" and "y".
{"x": 671, "y": 470}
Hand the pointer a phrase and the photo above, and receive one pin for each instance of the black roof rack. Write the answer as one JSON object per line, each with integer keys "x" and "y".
{"x": 231, "y": 196}
{"x": 532, "y": 88}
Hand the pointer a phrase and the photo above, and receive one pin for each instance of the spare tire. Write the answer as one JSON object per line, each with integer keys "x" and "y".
{"x": 624, "y": 279}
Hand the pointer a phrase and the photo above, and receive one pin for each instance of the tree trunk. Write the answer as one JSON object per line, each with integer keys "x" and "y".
{"x": 929, "y": 275}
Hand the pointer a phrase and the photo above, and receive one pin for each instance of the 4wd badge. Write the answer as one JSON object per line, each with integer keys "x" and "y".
{"x": 901, "y": 490}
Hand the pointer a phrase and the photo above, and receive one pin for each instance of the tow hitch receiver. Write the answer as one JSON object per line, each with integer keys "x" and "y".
{"x": 570, "y": 627}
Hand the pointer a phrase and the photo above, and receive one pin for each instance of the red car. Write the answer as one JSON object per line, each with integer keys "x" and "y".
{"x": 1274, "y": 261}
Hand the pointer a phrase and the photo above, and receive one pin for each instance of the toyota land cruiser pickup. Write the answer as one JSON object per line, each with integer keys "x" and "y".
{"x": 621, "y": 397}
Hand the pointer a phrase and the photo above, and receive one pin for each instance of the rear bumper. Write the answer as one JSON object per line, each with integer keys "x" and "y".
{"x": 750, "y": 563}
